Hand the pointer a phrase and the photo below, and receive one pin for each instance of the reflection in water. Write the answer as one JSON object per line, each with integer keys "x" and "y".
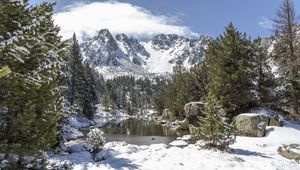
{"x": 138, "y": 128}
{"x": 140, "y": 132}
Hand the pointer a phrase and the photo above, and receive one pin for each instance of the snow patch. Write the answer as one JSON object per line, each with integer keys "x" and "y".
{"x": 178, "y": 143}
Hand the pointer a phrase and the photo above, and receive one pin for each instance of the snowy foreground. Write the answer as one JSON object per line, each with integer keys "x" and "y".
{"x": 248, "y": 153}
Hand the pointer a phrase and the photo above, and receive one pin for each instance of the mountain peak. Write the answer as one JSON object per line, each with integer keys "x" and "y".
{"x": 104, "y": 32}
{"x": 122, "y": 54}
{"x": 166, "y": 41}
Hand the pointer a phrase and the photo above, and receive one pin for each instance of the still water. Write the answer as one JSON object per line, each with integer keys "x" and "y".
{"x": 140, "y": 132}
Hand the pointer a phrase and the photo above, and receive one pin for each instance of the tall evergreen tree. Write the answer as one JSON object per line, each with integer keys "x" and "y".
{"x": 31, "y": 47}
{"x": 82, "y": 89}
{"x": 263, "y": 76}
{"x": 176, "y": 92}
{"x": 287, "y": 52}
{"x": 106, "y": 101}
{"x": 159, "y": 101}
{"x": 76, "y": 75}
{"x": 90, "y": 93}
{"x": 198, "y": 79}
{"x": 229, "y": 59}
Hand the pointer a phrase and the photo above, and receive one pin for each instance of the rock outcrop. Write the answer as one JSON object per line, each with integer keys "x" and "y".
{"x": 276, "y": 120}
{"x": 193, "y": 110}
{"x": 251, "y": 124}
{"x": 116, "y": 55}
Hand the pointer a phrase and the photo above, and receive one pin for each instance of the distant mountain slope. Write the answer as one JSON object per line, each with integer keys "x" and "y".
{"x": 121, "y": 55}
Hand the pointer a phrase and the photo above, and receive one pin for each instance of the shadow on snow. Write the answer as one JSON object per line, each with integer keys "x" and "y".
{"x": 119, "y": 163}
{"x": 248, "y": 153}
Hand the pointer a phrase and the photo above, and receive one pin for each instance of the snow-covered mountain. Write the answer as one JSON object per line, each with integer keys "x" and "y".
{"x": 115, "y": 55}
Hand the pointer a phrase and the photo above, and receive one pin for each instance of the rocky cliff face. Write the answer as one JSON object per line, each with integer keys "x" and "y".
{"x": 122, "y": 55}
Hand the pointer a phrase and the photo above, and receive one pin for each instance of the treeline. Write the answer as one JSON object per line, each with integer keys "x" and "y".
{"x": 241, "y": 73}
{"x": 131, "y": 95}
{"x": 183, "y": 86}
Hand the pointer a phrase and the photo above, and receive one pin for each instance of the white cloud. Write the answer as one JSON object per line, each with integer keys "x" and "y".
{"x": 266, "y": 23}
{"x": 87, "y": 19}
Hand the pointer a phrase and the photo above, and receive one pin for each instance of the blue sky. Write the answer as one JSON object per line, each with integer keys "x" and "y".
{"x": 205, "y": 16}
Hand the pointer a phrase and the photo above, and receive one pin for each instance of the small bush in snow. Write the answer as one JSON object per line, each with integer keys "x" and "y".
{"x": 95, "y": 140}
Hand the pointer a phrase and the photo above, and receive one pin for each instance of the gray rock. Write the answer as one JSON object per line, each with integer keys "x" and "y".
{"x": 251, "y": 124}
{"x": 276, "y": 120}
{"x": 193, "y": 110}
{"x": 75, "y": 148}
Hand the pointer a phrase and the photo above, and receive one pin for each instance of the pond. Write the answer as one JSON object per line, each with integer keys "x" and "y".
{"x": 140, "y": 132}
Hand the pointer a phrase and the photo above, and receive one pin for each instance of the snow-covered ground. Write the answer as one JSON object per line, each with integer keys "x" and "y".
{"x": 248, "y": 153}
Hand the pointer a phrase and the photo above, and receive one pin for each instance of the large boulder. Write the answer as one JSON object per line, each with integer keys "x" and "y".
{"x": 193, "y": 110}
{"x": 251, "y": 124}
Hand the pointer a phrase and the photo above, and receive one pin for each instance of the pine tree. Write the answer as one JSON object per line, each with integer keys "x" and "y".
{"x": 105, "y": 101}
{"x": 159, "y": 101}
{"x": 287, "y": 53}
{"x": 214, "y": 129}
{"x": 133, "y": 99}
{"x": 198, "y": 79}
{"x": 229, "y": 59}
{"x": 82, "y": 88}
{"x": 90, "y": 92}
{"x": 76, "y": 83}
{"x": 176, "y": 92}
{"x": 31, "y": 47}
{"x": 264, "y": 78}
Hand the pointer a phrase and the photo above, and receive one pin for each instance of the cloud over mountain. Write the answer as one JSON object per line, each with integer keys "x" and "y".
{"x": 86, "y": 19}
